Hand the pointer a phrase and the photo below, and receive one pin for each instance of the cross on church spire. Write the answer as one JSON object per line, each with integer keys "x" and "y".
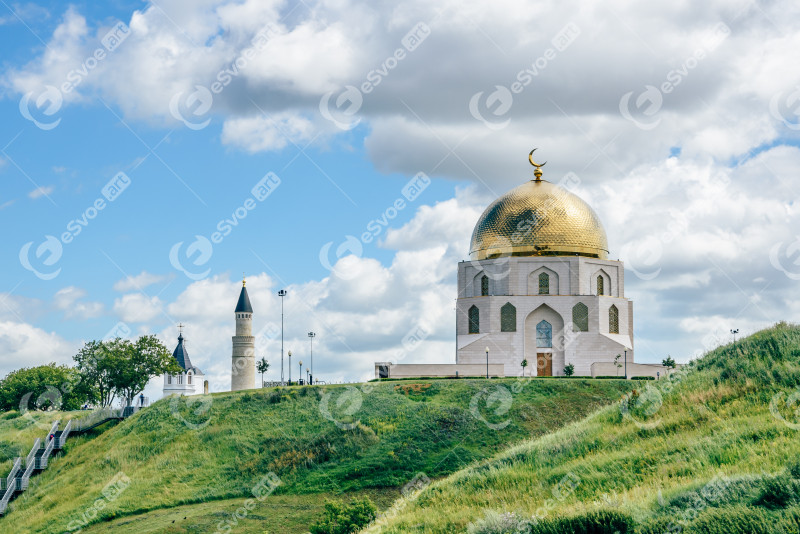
{"x": 180, "y": 328}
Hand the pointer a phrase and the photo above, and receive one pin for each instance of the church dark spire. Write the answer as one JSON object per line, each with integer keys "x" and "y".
{"x": 182, "y": 356}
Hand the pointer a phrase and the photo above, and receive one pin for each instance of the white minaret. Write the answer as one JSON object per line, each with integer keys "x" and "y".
{"x": 243, "y": 365}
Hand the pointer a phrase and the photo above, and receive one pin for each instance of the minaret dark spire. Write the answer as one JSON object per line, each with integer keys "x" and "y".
{"x": 243, "y": 306}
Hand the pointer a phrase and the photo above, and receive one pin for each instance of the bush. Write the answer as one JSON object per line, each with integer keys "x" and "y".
{"x": 794, "y": 470}
{"x": 643, "y": 378}
{"x": 345, "y": 519}
{"x": 778, "y": 492}
{"x": 600, "y": 522}
{"x": 734, "y": 520}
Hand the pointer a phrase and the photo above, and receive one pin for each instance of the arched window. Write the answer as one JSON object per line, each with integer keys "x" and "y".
{"x": 580, "y": 317}
{"x": 600, "y": 281}
{"x": 474, "y": 320}
{"x": 544, "y": 335}
{"x": 180, "y": 379}
{"x": 613, "y": 320}
{"x": 544, "y": 284}
{"x": 484, "y": 286}
{"x": 189, "y": 379}
{"x": 508, "y": 318}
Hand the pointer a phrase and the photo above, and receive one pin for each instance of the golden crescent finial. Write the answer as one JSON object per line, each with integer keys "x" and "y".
{"x": 537, "y": 172}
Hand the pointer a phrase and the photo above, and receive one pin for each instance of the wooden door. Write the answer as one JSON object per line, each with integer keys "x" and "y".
{"x": 544, "y": 364}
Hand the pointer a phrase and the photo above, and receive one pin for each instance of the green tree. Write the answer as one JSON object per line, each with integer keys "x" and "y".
{"x": 262, "y": 367}
{"x": 569, "y": 370}
{"x": 668, "y": 362}
{"x": 138, "y": 362}
{"x": 97, "y": 366}
{"x": 46, "y": 387}
{"x": 345, "y": 519}
{"x": 616, "y": 363}
{"x": 524, "y": 365}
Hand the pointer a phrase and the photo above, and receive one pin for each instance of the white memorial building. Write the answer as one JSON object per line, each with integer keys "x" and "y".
{"x": 539, "y": 287}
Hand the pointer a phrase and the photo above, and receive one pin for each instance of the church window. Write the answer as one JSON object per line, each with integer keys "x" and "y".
{"x": 508, "y": 318}
{"x": 189, "y": 379}
{"x": 484, "y": 286}
{"x": 180, "y": 379}
{"x": 613, "y": 320}
{"x": 474, "y": 320}
{"x": 544, "y": 284}
{"x": 544, "y": 335}
{"x": 600, "y": 287}
{"x": 580, "y": 317}
{"x": 169, "y": 379}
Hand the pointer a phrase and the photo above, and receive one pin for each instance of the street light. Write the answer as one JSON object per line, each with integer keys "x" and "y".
{"x": 290, "y": 367}
{"x": 734, "y": 332}
{"x": 281, "y": 294}
{"x": 487, "y": 363}
{"x": 311, "y": 336}
{"x": 300, "y": 377}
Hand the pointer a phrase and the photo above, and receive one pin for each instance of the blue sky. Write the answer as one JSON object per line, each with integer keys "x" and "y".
{"x": 345, "y": 104}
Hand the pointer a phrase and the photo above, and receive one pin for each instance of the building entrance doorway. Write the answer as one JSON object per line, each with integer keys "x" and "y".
{"x": 544, "y": 364}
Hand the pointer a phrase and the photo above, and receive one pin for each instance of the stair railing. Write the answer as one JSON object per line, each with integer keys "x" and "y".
{"x": 62, "y": 439}
{"x": 30, "y": 465}
{"x": 53, "y": 429}
{"x": 41, "y": 461}
{"x": 96, "y": 417}
{"x": 9, "y": 485}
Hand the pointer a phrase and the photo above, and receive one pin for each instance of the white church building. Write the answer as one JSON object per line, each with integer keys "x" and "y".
{"x": 189, "y": 382}
{"x": 538, "y": 286}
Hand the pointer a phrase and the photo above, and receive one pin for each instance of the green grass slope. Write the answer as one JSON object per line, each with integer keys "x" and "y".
{"x": 714, "y": 450}
{"x": 207, "y": 456}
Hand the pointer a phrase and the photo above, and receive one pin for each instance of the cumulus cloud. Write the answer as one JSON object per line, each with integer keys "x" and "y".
{"x": 138, "y": 307}
{"x": 139, "y": 282}
{"x": 69, "y": 300}
{"x": 24, "y": 345}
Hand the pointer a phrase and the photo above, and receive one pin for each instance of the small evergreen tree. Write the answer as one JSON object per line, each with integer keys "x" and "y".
{"x": 262, "y": 367}
{"x": 569, "y": 370}
{"x": 524, "y": 365}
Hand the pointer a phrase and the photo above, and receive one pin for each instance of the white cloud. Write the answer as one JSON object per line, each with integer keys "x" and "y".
{"x": 40, "y": 192}
{"x": 138, "y": 308}
{"x": 69, "y": 301}
{"x": 257, "y": 134}
{"x": 24, "y": 345}
{"x": 138, "y": 282}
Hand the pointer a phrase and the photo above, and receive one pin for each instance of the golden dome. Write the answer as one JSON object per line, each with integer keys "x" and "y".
{"x": 538, "y": 219}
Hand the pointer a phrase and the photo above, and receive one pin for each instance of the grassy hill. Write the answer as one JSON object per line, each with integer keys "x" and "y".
{"x": 191, "y": 464}
{"x": 714, "y": 450}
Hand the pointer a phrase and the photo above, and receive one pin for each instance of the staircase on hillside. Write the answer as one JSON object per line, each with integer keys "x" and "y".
{"x": 18, "y": 479}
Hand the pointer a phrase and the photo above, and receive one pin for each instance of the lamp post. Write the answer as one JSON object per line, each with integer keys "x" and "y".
{"x": 626, "y": 364}
{"x": 734, "y": 332}
{"x": 311, "y": 336}
{"x": 487, "y": 363}
{"x": 281, "y": 294}
{"x": 290, "y": 367}
{"x": 307, "y": 379}
{"x": 300, "y": 376}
